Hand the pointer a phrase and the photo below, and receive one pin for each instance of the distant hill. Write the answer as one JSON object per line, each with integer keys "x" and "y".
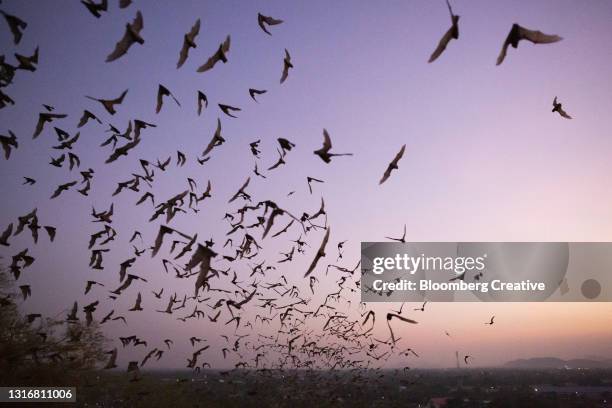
{"x": 553, "y": 362}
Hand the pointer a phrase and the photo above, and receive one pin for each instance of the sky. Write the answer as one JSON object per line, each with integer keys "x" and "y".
{"x": 486, "y": 159}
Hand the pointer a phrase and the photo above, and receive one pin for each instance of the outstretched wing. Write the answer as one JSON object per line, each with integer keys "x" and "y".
{"x": 285, "y": 74}
{"x": 183, "y": 55}
{"x": 537, "y": 37}
{"x": 213, "y": 141}
{"x": 386, "y": 175}
{"x": 261, "y": 19}
{"x": 286, "y": 66}
{"x": 210, "y": 62}
{"x": 217, "y": 56}
{"x": 271, "y": 20}
{"x": 195, "y": 30}
{"x": 159, "y": 239}
{"x": 160, "y": 95}
{"x": 504, "y": 50}
{"x": 126, "y": 42}
{"x": 320, "y": 253}
{"x": 442, "y": 44}
{"x": 121, "y": 47}
{"x": 450, "y": 10}
{"x": 189, "y": 38}
{"x": 327, "y": 144}
{"x": 404, "y": 319}
{"x": 398, "y": 156}
{"x": 16, "y": 25}
{"x": 563, "y": 113}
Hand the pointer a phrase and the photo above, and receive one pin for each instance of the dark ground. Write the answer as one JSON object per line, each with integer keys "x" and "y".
{"x": 372, "y": 388}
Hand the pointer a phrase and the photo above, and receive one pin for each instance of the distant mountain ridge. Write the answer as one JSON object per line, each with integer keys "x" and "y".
{"x": 553, "y": 362}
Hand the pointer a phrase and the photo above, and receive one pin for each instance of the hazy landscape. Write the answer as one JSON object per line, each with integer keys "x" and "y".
{"x": 416, "y": 388}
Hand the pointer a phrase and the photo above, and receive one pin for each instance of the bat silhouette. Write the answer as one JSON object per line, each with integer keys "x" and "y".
{"x": 518, "y": 33}
{"x": 393, "y": 165}
{"x": 188, "y": 42}
{"x": 131, "y": 36}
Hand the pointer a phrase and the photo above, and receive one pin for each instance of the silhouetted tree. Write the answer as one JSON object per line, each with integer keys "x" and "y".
{"x": 35, "y": 350}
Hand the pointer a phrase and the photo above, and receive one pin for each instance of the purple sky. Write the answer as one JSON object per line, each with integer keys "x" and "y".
{"x": 485, "y": 160}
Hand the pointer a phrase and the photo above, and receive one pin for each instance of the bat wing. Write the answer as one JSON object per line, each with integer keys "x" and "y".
{"x": 246, "y": 184}
{"x": 163, "y": 230}
{"x": 201, "y": 98}
{"x": 120, "y": 99}
{"x": 271, "y": 20}
{"x": 183, "y": 55}
{"x": 128, "y": 39}
{"x": 269, "y": 223}
{"x": 121, "y": 47}
{"x": 312, "y": 265}
{"x": 537, "y": 37}
{"x": 138, "y": 23}
{"x": 405, "y": 319}
{"x": 285, "y": 74}
{"x": 286, "y": 66}
{"x": 399, "y": 155}
{"x": 386, "y": 175}
{"x": 214, "y": 139}
{"x": 189, "y": 38}
{"x": 504, "y": 50}
{"x": 442, "y": 45}
{"x": 564, "y": 114}
{"x": 210, "y": 62}
{"x": 123, "y": 287}
{"x": 217, "y": 56}
{"x": 83, "y": 119}
{"x": 327, "y": 144}
{"x": 115, "y": 154}
{"x": 7, "y": 233}
{"x": 15, "y": 24}
{"x": 123, "y": 150}
{"x": 57, "y": 192}
{"x": 39, "y": 127}
{"x": 160, "y": 96}
{"x": 226, "y": 44}
{"x": 195, "y": 30}
{"x": 320, "y": 253}
{"x": 450, "y": 9}
{"x": 209, "y": 148}
{"x": 261, "y": 19}
{"x": 204, "y": 269}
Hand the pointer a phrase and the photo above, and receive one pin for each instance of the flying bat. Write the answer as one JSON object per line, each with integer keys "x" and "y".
{"x": 131, "y": 36}
{"x": 393, "y": 165}
{"x": 518, "y": 33}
